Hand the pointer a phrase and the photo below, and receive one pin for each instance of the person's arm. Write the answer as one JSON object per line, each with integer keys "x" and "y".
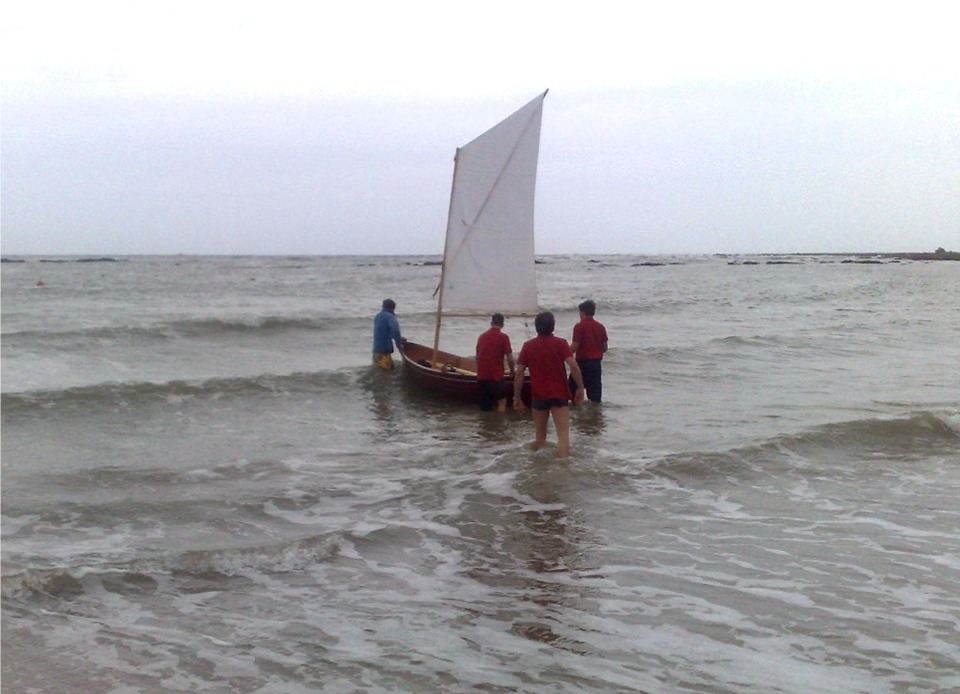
{"x": 518, "y": 387}
{"x": 395, "y": 331}
{"x": 578, "y": 379}
{"x": 575, "y": 341}
{"x": 511, "y": 364}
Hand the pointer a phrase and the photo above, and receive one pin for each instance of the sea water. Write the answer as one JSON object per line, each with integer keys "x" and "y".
{"x": 207, "y": 488}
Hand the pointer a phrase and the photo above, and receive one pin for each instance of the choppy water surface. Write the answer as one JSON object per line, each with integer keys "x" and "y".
{"x": 207, "y": 489}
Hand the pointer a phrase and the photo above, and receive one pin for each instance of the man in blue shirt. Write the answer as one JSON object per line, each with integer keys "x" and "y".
{"x": 386, "y": 333}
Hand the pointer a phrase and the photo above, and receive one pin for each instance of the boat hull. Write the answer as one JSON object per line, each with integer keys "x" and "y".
{"x": 454, "y": 377}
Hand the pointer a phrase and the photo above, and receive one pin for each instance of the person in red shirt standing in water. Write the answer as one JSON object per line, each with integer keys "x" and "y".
{"x": 548, "y": 357}
{"x": 493, "y": 346}
{"x": 588, "y": 346}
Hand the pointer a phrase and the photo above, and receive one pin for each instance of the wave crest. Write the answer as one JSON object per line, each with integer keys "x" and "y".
{"x": 144, "y": 576}
{"x": 132, "y": 394}
{"x": 191, "y": 328}
{"x": 918, "y": 434}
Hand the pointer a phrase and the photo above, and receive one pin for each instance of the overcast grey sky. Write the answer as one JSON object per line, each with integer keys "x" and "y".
{"x": 306, "y": 128}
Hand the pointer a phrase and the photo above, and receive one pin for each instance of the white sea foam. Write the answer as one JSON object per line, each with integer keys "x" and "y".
{"x": 952, "y": 420}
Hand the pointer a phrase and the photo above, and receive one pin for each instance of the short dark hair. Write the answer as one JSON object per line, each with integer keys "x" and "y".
{"x": 544, "y": 323}
{"x": 389, "y": 304}
{"x": 497, "y": 319}
{"x": 588, "y": 307}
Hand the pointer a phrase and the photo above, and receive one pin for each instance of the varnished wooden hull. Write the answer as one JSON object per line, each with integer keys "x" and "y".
{"x": 454, "y": 377}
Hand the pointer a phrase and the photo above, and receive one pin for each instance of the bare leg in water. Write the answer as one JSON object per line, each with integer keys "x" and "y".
{"x": 561, "y": 420}
{"x": 540, "y": 418}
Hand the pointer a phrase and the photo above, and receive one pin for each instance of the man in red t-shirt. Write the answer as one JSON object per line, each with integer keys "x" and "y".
{"x": 493, "y": 346}
{"x": 547, "y": 357}
{"x": 588, "y": 346}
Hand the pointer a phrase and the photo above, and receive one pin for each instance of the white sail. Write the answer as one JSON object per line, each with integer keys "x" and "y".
{"x": 488, "y": 254}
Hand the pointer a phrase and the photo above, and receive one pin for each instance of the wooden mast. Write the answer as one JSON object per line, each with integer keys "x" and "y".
{"x": 443, "y": 265}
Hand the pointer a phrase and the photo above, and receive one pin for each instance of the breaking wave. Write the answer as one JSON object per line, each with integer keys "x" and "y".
{"x": 143, "y": 576}
{"x": 920, "y": 434}
{"x": 140, "y": 393}
{"x": 190, "y": 328}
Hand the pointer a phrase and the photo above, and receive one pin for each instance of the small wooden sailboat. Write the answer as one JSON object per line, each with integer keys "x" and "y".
{"x": 488, "y": 256}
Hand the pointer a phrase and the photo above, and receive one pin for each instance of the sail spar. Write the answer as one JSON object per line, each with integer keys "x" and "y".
{"x": 488, "y": 254}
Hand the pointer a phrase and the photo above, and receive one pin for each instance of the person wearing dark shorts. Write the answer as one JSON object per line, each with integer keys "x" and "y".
{"x": 493, "y": 346}
{"x": 548, "y": 358}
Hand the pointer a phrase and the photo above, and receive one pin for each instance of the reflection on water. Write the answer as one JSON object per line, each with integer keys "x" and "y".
{"x": 496, "y": 427}
{"x": 523, "y": 539}
{"x": 588, "y": 420}
{"x": 384, "y": 399}
{"x": 548, "y": 542}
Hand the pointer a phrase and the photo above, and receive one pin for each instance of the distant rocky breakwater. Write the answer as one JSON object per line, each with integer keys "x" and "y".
{"x": 5, "y": 259}
{"x": 938, "y": 254}
{"x": 802, "y": 258}
{"x": 734, "y": 259}
{"x": 841, "y": 258}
